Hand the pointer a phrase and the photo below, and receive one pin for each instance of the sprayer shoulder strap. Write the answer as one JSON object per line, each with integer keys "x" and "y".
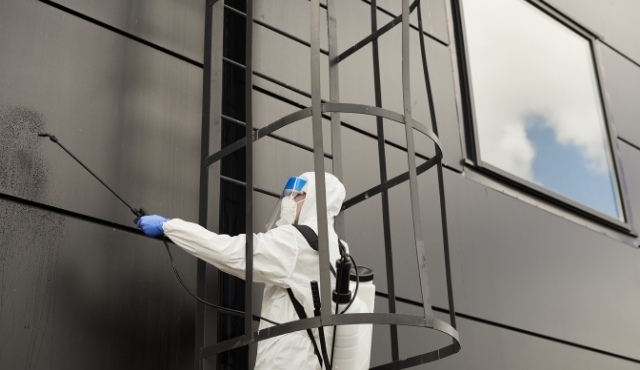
{"x": 303, "y": 315}
{"x": 312, "y": 239}
{"x": 309, "y": 234}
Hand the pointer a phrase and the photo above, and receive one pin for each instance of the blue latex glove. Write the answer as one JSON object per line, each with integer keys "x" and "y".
{"x": 152, "y": 225}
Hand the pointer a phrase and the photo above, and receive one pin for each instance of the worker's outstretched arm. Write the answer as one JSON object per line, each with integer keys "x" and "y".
{"x": 274, "y": 253}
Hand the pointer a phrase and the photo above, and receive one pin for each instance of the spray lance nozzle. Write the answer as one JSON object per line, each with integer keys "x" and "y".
{"x": 138, "y": 212}
{"x": 44, "y": 134}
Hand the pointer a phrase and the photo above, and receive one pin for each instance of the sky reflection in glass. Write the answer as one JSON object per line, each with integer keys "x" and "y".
{"x": 537, "y": 108}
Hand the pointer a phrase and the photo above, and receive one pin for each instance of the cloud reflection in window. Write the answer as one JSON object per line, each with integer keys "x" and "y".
{"x": 537, "y": 108}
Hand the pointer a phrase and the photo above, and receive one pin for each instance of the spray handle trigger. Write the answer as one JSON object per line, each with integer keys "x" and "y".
{"x": 315, "y": 292}
{"x": 139, "y": 212}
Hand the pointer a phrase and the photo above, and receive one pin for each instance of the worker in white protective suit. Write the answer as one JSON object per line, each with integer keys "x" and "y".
{"x": 282, "y": 258}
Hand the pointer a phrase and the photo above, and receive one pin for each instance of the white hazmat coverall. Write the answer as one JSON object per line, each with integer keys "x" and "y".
{"x": 282, "y": 259}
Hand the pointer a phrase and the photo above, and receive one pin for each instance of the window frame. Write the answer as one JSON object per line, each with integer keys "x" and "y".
{"x": 471, "y": 146}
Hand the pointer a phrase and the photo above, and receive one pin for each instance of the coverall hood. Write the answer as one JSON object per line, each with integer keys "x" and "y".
{"x": 335, "y": 196}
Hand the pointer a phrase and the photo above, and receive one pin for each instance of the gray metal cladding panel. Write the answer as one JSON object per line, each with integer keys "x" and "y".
{"x": 365, "y": 236}
{"x": 354, "y": 19}
{"x": 131, "y": 113}
{"x": 518, "y": 265}
{"x": 621, "y": 80}
{"x": 364, "y": 224}
{"x": 404, "y": 256}
{"x": 357, "y": 86}
{"x": 443, "y": 87}
{"x": 76, "y": 295}
{"x": 490, "y": 347}
{"x": 434, "y": 16}
{"x": 630, "y": 158}
{"x": 177, "y": 25}
{"x": 290, "y": 16}
{"x": 614, "y": 21}
{"x": 286, "y": 60}
{"x": 361, "y": 162}
{"x": 275, "y": 161}
{"x": 487, "y": 347}
{"x": 267, "y": 109}
{"x": 412, "y": 341}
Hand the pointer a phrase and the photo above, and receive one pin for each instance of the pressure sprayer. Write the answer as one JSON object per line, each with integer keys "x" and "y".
{"x": 350, "y": 345}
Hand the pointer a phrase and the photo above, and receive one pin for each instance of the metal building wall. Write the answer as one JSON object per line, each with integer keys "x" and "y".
{"x": 120, "y": 84}
{"x": 79, "y": 286}
{"x": 537, "y": 276}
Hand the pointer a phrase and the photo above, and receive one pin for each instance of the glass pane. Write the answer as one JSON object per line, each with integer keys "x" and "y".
{"x": 537, "y": 107}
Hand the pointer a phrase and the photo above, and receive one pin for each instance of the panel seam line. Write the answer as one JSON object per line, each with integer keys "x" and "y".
{"x": 122, "y": 33}
{"x": 515, "y": 329}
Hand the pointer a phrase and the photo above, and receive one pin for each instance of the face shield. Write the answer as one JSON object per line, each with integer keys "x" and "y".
{"x": 288, "y": 207}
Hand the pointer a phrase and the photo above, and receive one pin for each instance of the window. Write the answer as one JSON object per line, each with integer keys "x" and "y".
{"x": 536, "y": 105}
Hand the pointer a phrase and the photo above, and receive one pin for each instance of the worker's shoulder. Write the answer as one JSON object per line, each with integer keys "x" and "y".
{"x": 303, "y": 238}
{"x": 285, "y": 234}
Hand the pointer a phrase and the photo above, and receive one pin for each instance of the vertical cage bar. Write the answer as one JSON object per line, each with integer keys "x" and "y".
{"x": 334, "y": 97}
{"x": 382, "y": 162}
{"x": 209, "y": 198}
{"x": 443, "y": 207}
{"x": 248, "y": 286}
{"x": 318, "y": 163}
{"x": 411, "y": 157}
{"x": 201, "y": 267}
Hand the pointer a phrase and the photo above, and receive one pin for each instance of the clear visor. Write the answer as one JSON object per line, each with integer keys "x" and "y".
{"x": 285, "y": 210}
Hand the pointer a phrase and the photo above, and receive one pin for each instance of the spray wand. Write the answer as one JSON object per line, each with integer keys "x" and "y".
{"x": 139, "y": 212}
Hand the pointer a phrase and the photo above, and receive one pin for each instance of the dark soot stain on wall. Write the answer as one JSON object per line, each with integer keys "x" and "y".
{"x": 29, "y": 244}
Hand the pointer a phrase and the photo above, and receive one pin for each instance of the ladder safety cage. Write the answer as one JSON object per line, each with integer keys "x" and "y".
{"x": 316, "y": 111}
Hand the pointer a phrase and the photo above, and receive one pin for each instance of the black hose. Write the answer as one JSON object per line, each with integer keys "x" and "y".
{"x": 230, "y": 310}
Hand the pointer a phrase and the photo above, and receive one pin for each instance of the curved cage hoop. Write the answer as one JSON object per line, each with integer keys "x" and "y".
{"x": 352, "y": 319}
